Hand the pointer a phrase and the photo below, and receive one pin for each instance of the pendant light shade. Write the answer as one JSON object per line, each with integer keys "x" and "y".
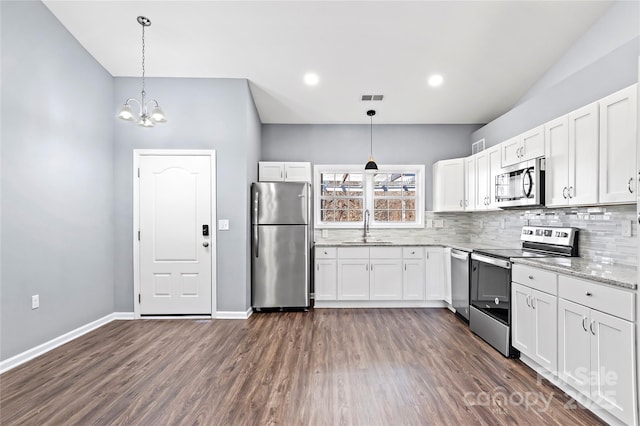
{"x": 371, "y": 164}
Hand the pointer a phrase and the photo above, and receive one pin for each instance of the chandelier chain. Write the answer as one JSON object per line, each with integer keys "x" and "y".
{"x": 143, "y": 70}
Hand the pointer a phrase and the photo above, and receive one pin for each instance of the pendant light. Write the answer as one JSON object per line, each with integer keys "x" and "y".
{"x": 145, "y": 119}
{"x": 371, "y": 165}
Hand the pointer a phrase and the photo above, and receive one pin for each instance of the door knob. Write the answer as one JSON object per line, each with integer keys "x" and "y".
{"x": 205, "y": 244}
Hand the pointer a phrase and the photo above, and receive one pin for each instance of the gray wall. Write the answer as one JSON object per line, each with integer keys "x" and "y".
{"x": 202, "y": 114}
{"x": 602, "y": 61}
{"x": 57, "y": 180}
{"x": 349, "y": 144}
{"x": 254, "y": 138}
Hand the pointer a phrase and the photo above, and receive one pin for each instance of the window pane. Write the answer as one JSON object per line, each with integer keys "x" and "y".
{"x": 355, "y": 215}
{"x": 394, "y": 197}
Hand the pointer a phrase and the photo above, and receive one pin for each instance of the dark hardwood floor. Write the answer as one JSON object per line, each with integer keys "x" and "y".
{"x": 324, "y": 367}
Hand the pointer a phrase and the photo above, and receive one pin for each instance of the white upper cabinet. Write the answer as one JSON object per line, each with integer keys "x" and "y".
{"x": 524, "y": 147}
{"x": 571, "y": 141}
{"x": 274, "y": 171}
{"x": 448, "y": 185}
{"x": 583, "y": 156}
{"x": 618, "y": 121}
{"x": 470, "y": 186}
{"x": 557, "y": 162}
{"x": 488, "y": 164}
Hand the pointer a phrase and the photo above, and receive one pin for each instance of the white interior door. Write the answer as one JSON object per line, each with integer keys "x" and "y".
{"x": 175, "y": 255}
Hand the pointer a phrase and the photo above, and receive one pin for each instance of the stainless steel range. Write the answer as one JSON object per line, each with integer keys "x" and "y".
{"x": 490, "y": 297}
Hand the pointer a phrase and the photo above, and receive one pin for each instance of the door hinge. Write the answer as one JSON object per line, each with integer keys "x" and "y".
{"x": 138, "y": 171}
{"x": 138, "y": 235}
{"x": 139, "y": 298}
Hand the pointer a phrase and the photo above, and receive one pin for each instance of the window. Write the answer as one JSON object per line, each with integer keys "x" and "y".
{"x": 341, "y": 197}
{"x": 394, "y": 195}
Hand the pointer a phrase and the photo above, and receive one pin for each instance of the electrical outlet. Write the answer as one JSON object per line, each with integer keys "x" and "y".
{"x": 438, "y": 223}
{"x": 502, "y": 223}
{"x": 626, "y": 228}
{"x": 429, "y": 223}
{"x": 223, "y": 224}
{"x": 35, "y": 301}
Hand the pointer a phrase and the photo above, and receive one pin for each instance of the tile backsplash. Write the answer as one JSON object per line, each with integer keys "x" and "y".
{"x": 603, "y": 232}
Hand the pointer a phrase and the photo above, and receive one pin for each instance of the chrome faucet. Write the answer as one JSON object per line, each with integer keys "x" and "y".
{"x": 366, "y": 224}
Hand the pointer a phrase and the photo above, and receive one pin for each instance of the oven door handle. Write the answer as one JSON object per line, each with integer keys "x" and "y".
{"x": 491, "y": 260}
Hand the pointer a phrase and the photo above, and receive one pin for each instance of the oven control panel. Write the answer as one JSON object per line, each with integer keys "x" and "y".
{"x": 549, "y": 235}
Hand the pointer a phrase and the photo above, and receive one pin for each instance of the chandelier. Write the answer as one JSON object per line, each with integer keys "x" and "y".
{"x": 144, "y": 119}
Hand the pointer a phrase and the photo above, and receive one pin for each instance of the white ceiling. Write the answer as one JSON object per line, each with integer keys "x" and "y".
{"x": 489, "y": 52}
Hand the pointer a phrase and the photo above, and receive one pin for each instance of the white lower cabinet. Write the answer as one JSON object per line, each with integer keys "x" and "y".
{"x": 447, "y": 275}
{"x": 597, "y": 358}
{"x": 353, "y": 273}
{"x": 581, "y": 331}
{"x": 353, "y": 279}
{"x": 534, "y": 320}
{"x": 325, "y": 279}
{"x": 379, "y": 274}
{"x": 413, "y": 273}
{"x": 435, "y": 274}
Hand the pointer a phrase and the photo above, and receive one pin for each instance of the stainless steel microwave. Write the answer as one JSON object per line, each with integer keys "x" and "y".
{"x": 521, "y": 185}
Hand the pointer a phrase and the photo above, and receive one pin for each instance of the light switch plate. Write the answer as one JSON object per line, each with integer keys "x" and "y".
{"x": 223, "y": 224}
{"x": 626, "y": 228}
{"x": 35, "y": 301}
{"x": 429, "y": 223}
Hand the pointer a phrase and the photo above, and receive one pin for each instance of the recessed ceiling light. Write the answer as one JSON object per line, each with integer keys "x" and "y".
{"x": 435, "y": 80}
{"x": 311, "y": 78}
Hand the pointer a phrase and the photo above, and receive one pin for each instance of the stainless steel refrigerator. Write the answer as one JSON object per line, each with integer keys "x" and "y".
{"x": 280, "y": 246}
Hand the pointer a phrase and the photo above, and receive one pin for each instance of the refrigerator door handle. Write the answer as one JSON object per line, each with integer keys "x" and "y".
{"x": 256, "y": 240}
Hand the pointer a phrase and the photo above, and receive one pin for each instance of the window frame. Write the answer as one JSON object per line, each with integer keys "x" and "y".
{"x": 368, "y": 194}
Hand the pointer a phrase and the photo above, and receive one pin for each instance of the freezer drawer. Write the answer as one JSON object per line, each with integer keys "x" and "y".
{"x": 280, "y": 266}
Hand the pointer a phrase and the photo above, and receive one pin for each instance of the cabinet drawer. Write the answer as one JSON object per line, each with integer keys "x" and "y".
{"x": 386, "y": 252}
{"x": 353, "y": 252}
{"x": 413, "y": 252}
{"x": 325, "y": 252}
{"x": 535, "y": 278}
{"x": 612, "y": 301}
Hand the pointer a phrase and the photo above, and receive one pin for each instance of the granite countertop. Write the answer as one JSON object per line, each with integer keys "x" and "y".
{"x": 456, "y": 244}
{"x": 613, "y": 274}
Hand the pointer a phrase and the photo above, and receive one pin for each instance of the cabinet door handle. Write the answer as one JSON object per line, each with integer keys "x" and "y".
{"x": 570, "y": 189}
{"x": 372, "y": 266}
{"x": 427, "y": 255}
{"x": 528, "y": 301}
{"x": 587, "y": 293}
{"x": 405, "y": 266}
{"x": 584, "y": 325}
{"x": 564, "y": 192}
{"x": 530, "y": 277}
{"x": 629, "y": 185}
{"x": 367, "y": 266}
{"x": 318, "y": 267}
{"x": 591, "y": 328}
{"x": 533, "y": 305}
{"x": 460, "y": 203}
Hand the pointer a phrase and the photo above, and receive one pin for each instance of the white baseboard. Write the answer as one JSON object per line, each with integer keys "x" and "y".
{"x": 234, "y": 314}
{"x": 32, "y": 353}
{"x": 319, "y": 304}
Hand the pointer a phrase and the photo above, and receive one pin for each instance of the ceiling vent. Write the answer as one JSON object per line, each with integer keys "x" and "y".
{"x": 372, "y": 97}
